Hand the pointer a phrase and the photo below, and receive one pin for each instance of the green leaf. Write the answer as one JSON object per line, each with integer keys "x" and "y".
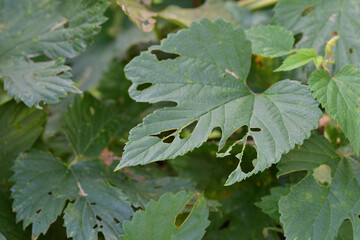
{"x": 35, "y": 82}
{"x": 270, "y": 41}
{"x": 20, "y": 127}
{"x": 43, "y": 184}
{"x": 158, "y": 221}
{"x": 145, "y": 19}
{"x": 49, "y": 29}
{"x": 340, "y": 97}
{"x": 88, "y": 124}
{"x": 269, "y": 204}
{"x": 317, "y": 206}
{"x": 300, "y": 58}
{"x": 319, "y": 21}
{"x": 207, "y": 81}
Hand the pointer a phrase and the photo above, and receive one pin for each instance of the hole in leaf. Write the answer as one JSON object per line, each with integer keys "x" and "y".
{"x": 169, "y": 139}
{"x": 50, "y": 193}
{"x": 143, "y": 86}
{"x": 298, "y": 37}
{"x": 188, "y": 129}
{"x": 255, "y": 129}
{"x": 237, "y": 135}
{"x": 161, "y": 55}
{"x": 38, "y": 211}
{"x": 307, "y": 10}
{"x": 93, "y": 203}
{"x": 186, "y": 211}
{"x": 67, "y": 24}
{"x": 101, "y": 226}
{"x": 226, "y": 224}
{"x": 116, "y": 220}
{"x": 351, "y": 50}
{"x": 247, "y": 161}
{"x": 215, "y": 134}
{"x": 95, "y": 226}
{"x": 98, "y": 218}
{"x": 164, "y": 134}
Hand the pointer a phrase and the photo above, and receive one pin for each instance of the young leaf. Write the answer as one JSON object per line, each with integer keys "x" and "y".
{"x": 158, "y": 221}
{"x": 43, "y": 184}
{"x": 300, "y": 58}
{"x": 88, "y": 124}
{"x": 52, "y": 29}
{"x": 270, "y": 41}
{"x": 319, "y": 21}
{"x": 33, "y": 82}
{"x": 207, "y": 81}
{"x": 317, "y": 206}
{"x": 340, "y": 97}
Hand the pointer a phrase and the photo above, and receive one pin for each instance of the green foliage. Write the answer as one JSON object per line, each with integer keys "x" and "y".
{"x": 340, "y": 97}
{"x": 327, "y": 196}
{"x": 245, "y": 86}
{"x": 52, "y": 29}
{"x": 213, "y": 92}
{"x": 162, "y": 219}
{"x": 270, "y": 41}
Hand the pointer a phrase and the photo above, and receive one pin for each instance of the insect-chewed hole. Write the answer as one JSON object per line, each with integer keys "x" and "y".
{"x": 215, "y": 135}
{"x": 116, "y": 220}
{"x": 93, "y": 203}
{"x": 186, "y": 211}
{"x": 188, "y": 129}
{"x": 247, "y": 161}
{"x": 351, "y": 50}
{"x": 161, "y": 55}
{"x": 143, "y": 86}
{"x": 95, "y": 226}
{"x": 169, "y": 139}
{"x": 164, "y": 134}
{"x": 307, "y": 10}
{"x": 237, "y": 135}
{"x": 98, "y": 218}
{"x": 255, "y": 129}
{"x": 38, "y": 211}
{"x": 50, "y": 193}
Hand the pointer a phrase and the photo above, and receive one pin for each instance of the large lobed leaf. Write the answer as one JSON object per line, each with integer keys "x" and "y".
{"x": 51, "y": 28}
{"x": 340, "y": 96}
{"x": 43, "y": 184}
{"x": 317, "y": 206}
{"x": 319, "y": 21}
{"x": 208, "y": 83}
{"x": 159, "y": 220}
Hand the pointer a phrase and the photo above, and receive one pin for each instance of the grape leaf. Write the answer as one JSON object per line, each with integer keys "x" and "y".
{"x": 43, "y": 184}
{"x": 340, "y": 97}
{"x": 145, "y": 19}
{"x": 34, "y": 82}
{"x": 302, "y": 57}
{"x": 207, "y": 81}
{"x": 165, "y": 212}
{"x": 317, "y": 206}
{"x": 319, "y": 21}
{"x": 88, "y": 124}
{"x": 270, "y": 41}
{"x": 51, "y": 28}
